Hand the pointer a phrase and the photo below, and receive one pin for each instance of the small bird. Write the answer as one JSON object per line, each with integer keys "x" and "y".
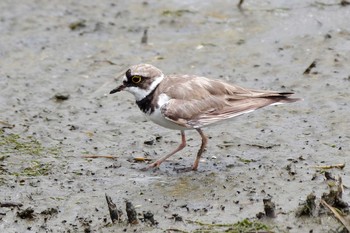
{"x": 190, "y": 102}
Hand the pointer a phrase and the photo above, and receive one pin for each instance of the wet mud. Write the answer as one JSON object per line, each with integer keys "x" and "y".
{"x": 65, "y": 143}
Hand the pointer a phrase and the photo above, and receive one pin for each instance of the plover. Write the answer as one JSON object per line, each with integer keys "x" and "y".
{"x": 190, "y": 102}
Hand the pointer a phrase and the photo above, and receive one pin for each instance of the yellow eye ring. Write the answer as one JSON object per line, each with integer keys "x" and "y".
{"x": 136, "y": 79}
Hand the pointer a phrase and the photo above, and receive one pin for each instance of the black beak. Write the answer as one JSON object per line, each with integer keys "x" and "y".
{"x": 118, "y": 89}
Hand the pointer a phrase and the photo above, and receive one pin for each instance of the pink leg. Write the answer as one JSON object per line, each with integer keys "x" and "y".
{"x": 201, "y": 149}
{"x": 180, "y": 147}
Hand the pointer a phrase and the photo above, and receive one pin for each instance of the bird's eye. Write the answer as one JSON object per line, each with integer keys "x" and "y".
{"x": 136, "y": 79}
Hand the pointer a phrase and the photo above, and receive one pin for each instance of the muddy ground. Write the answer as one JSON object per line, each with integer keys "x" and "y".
{"x": 60, "y": 59}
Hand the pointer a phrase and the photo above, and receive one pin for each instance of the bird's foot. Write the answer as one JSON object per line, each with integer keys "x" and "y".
{"x": 152, "y": 165}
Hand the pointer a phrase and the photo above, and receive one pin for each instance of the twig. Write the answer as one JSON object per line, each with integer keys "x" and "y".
{"x": 113, "y": 210}
{"x": 340, "y": 186}
{"x": 131, "y": 213}
{"x": 209, "y": 224}
{"x": 340, "y": 166}
{"x": 240, "y": 3}
{"x": 308, "y": 208}
{"x": 98, "y": 156}
{"x": 309, "y": 68}
{"x": 141, "y": 159}
{"x": 344, "y": 3}
{"x": 263, "y": 146}
{"x": 176, "y": 230}
{"x": 144, "y": 38}
{"x": 337, "y": 215}
{"x": 226, "y": 144}
{"x": 245, "y": 225}
{"x": 10, "y": 204}
{"x": 269, "y": 207}
{"x": 6, "y": 125}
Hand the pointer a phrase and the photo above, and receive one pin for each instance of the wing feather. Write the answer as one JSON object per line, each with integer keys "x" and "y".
{"x": 199, "y": 101}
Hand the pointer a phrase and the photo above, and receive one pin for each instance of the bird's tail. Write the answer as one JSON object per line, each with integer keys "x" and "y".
{"x": 283, "y": 98}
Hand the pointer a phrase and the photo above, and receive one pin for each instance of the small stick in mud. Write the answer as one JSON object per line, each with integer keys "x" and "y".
{"x": 309, "y": 68}
{"x": 333, "y": 198}
{"x": 329, "y": 176}
{"x": 114, "y": 212}
{"x": 141, "y": 159}
{"x": 240, "y": 3}
{"x": 339, "y": 166}
{"x": 60, "y": 97}
{"x": 144, "y": 38}
{"x": 10, "y": 204}
{"x": 98, "y": 156}
{"x": 269, "y": 207}
{"x": 131, "y": 212}
{"x": 336, "y": 214}
{"x": 263, "y": 146}
{"x": 340, "y": 187}
{"x": 309, "y": 207}
{"x": 344, "y": 3}
{"x": 6, "y": 125}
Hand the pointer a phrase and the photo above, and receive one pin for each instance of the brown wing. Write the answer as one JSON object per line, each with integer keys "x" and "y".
{"x": 200, "y": 101}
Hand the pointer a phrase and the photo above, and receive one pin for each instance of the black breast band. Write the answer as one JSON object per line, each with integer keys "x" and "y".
{"x": 146, "y": 104}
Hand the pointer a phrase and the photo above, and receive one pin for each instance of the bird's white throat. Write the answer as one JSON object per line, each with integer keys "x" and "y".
{"x": 142, "y": 93}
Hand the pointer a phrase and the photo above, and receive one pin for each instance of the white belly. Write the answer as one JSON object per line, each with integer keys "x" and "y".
{"x": 159, "y": 119}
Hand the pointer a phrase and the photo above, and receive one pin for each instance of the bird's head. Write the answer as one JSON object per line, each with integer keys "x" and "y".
{"x": 140, "y": 80}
